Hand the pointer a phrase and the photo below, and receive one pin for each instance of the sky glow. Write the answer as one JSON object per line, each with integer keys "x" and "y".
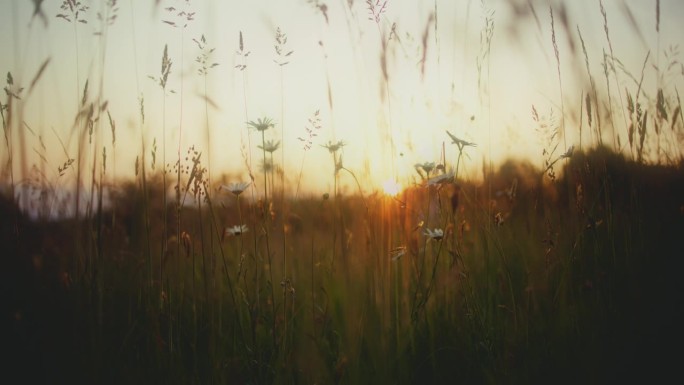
{"x": 439, "y": 75}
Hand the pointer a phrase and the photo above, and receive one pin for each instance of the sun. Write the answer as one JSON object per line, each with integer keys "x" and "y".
{"x": 391, "y": 187}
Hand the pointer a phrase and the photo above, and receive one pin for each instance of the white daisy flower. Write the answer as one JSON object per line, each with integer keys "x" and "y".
{"x": 436, "y": 234}
{"x": 236, "y": 188}
{"x": 235, "y": 231}
{"x": 460, "y": 142}
{"x": 427, "y": 166}
{"x": 441, "y": 179}
{"x": 262, "y": 124}
{"x": 334, "y": 147}
{"x": 270, "y": 146}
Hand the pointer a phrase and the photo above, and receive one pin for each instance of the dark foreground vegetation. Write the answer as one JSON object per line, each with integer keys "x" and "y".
{"x": 572, "y": 280}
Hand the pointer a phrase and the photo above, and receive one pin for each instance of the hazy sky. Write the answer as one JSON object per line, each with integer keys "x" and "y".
{"x": 433, "y": 80}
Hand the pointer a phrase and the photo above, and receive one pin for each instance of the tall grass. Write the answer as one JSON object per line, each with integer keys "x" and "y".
{"x": 563, "y": 268}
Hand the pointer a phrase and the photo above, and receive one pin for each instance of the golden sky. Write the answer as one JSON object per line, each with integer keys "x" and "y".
{"x": 439, "y": 76}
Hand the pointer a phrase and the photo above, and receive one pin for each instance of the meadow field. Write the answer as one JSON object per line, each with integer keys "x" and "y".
{"x": 563, "y": 266}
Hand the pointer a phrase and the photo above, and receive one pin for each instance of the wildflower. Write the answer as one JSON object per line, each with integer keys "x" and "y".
{"x": 270, "y": 146}
{"x": 460, "y": 142}
{"x": 235, "y": 231}
{"x": 499, "y": 219}
{"x": 397, "y": 252}
{"x": 509, "y": 192}
{"x": 436, "y": 234}
{"x": 334, "y": 147}
{"x": 266, "y": 165}
{"x": 287, "y": 286}
{"x": 441, "y": 179}
{"x": 262, "y": 124}
{"x": 568, "y": 153}
{"x": 427, "y": 166}
{"x": 236, "y": 188}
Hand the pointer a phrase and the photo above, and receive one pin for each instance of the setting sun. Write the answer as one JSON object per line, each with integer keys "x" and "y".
{"x": 391, "y": 187}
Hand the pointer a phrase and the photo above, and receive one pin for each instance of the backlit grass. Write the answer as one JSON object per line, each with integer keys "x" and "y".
{"x": 560, "y": 268}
